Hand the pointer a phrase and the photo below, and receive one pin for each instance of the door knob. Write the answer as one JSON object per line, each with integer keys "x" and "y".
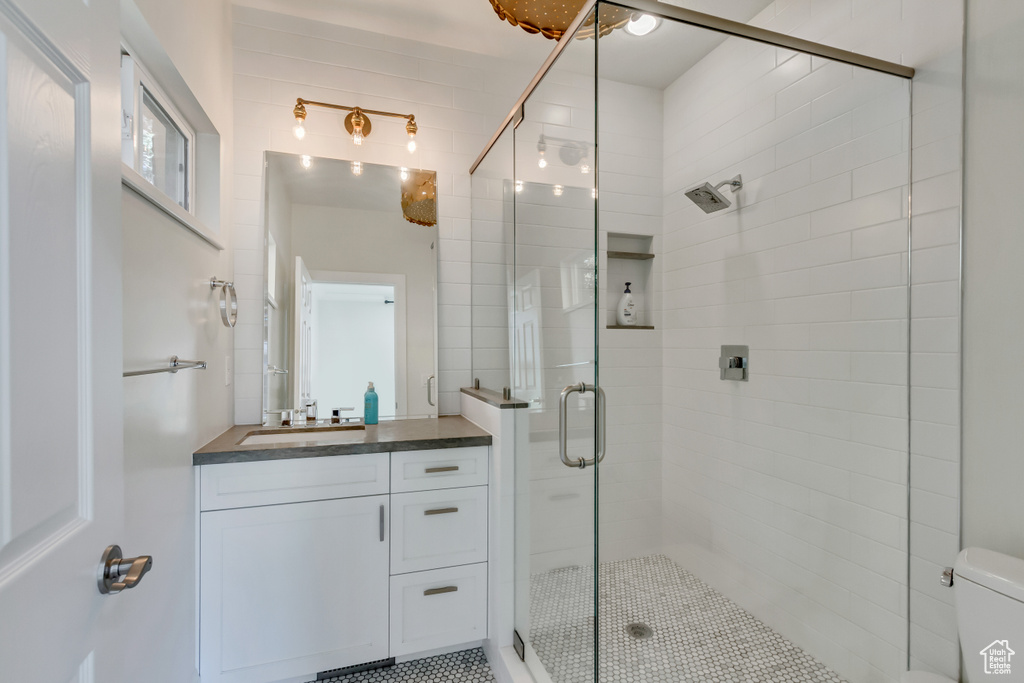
{"x": 118, "y": 573}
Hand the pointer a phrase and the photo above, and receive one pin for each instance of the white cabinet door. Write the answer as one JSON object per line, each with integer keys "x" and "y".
{"x": 290, "y": 590}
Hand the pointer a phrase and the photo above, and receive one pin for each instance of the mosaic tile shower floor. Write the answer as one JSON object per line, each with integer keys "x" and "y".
{"x": 699, "y": 635}
{"x": 465, "y": 666}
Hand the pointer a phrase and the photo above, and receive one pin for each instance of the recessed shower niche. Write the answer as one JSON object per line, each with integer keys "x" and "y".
{"x": 630, "y": 259}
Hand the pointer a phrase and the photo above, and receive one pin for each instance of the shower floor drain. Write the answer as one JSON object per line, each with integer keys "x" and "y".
{"x": 639, "y": 631}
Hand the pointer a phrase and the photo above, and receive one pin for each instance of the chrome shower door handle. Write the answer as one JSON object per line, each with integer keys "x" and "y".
{"x": 563, "y": 437}
{"x": 430, "y": 394}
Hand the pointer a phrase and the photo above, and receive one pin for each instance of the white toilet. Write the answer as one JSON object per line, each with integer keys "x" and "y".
{"x": 989, "y": 591}
{"x": 988, "y": 588}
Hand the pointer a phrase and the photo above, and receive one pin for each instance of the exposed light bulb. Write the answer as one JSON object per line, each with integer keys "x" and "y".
{"x": 306, "y": 161}
{"x": 299, "y": 129}
{"x": 405, "y": 173}
{"x": 357, "y": 137}
{"x": 357, "y": 168}
{"x": 542, "y": 162}
{"x": 557, "y": 189}
{"x": 519, "y": 186}
{"x": 412, "y": 144}
{"x": 584, "y": 168}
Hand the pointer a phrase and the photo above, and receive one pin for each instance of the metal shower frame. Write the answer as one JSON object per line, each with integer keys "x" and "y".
{"x": 701, "y": 20}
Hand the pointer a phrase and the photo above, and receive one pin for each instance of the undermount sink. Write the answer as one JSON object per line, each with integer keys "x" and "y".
{"x": 305, "y": 435}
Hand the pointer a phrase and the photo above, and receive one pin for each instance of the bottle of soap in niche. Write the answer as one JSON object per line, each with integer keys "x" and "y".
{"x": 625, "y": 314}
{"x": 370, "y": 406}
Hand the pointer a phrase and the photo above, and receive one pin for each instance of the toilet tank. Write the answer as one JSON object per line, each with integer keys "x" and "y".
{"x": 989, "y": 591}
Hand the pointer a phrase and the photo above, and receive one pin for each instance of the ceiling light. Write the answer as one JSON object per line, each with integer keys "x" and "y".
{"x": 519, "y": 186}
{"x": 557, "y": 190}
{"x": 642, "y": 25}
{"x": 542, "y": 162}
{"x": 357, "y": 168}
{"x": 306, "y": 161}
{"x": 404, "y": 173}
{"x": 584, "y": 168}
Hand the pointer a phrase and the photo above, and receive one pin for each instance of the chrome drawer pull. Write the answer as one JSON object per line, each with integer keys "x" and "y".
{"x": 438, "y": 591}
{"x": 447, "y": 468}
{"x": 440, "y": 511}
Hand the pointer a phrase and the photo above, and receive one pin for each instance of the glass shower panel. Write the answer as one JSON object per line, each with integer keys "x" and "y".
{"x": 554, "y": 360}
{"x": 759, "y": 196}
{"x": 493, "y": 232}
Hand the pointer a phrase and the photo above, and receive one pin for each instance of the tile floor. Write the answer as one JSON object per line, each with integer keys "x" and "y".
{"x": 697, "y": 634}
{"x": 466, "y": 666}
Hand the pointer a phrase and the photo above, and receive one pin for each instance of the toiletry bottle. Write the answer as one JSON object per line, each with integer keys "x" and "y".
{"x": 625, "y": 314}
{"x": 370, "y": 406}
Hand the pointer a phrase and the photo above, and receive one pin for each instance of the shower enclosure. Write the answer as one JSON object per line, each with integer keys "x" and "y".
{"x": 717, "y": 492}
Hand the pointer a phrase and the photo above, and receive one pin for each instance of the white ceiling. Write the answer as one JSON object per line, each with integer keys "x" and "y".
{"x": 330, "y": 182}
{"x": 654, "y": 60}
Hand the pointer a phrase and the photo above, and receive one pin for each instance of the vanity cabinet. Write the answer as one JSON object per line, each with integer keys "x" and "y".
{"x": 312, "y": 564}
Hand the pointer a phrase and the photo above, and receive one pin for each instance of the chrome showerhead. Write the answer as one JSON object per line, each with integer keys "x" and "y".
{"x": 709, "y": 199}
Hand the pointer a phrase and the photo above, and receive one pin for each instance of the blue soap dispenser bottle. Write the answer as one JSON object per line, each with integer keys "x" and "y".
{"x": 370, "y": 406}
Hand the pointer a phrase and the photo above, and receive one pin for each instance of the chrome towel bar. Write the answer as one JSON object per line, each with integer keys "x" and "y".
{"x": 174, "y": 365}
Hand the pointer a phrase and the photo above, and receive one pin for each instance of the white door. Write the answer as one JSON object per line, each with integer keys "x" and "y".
{"x": 60, "y": 339}
{"x": 303, "y": 333}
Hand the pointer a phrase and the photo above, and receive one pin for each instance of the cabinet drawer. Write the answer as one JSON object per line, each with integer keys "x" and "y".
{"x": 444, "y": 468}
{"x": 438, "y": 608}
{"x": 432, "y": 529}
{"x": 270, "y": 482}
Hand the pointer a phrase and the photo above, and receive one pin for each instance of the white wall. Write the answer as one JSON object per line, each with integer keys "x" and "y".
{"x": 993, "y": 322}
{"x": 169, "y": 309}
{"x": 457, "y": 97}
{"x": 731, "y": 281}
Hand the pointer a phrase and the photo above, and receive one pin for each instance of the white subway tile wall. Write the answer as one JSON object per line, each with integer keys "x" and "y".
{"x": 822, "y": 302}
{"x": 457, "y": 97}
{"x": 758, "y": 498}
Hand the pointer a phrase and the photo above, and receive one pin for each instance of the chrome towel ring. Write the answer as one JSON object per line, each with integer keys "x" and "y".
{"x": 228, "y": 311}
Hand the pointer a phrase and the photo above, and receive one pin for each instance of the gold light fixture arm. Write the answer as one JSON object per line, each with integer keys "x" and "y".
{"x": 341, "y": 107}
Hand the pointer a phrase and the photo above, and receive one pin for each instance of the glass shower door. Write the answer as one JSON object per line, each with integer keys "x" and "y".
{"x": 554, "y": 370}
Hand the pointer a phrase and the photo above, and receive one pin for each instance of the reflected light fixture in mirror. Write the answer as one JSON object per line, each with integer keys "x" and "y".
{"x": 306, "y": 161}
{"x": 357, "y": 168}
{"x": 357, "y": 123}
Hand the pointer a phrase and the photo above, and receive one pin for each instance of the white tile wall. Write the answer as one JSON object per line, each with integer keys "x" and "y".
{"x": 457, "y": 97}
{"x": 828, "y": 148}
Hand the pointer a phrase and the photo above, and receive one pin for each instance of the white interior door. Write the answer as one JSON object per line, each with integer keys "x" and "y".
{"x": 60, "y": 339}
{"x": 303, "y": 333}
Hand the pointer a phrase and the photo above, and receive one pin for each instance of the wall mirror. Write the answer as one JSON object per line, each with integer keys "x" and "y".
{"x": 350, "y": 287}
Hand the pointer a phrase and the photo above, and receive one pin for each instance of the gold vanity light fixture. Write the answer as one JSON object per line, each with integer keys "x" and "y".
{"x": 551, "y": 18}
{"x": 357, "y": 123}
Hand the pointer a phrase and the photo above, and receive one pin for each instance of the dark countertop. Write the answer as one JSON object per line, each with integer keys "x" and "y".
{"x": 452, "y": 431}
